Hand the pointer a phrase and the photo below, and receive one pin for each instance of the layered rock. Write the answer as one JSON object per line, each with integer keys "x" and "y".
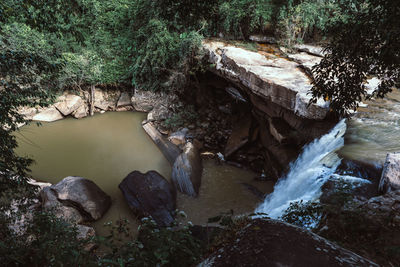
{"x": 187, "y": 171}
{"x": 275, "y": 243}
{"x": 150, "y": 194}
{"x": 67, "y": 104}
{"x": 269, "y": 76}
{"x": 390, "y": 179}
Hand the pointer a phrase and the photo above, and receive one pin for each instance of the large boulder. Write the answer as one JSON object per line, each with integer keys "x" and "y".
{"x": 124, "y": 100}
{"x": 390, "y": 179}
{"x": 48, "y": 115}
{"x": 144, "y": 101}
{"x": 77, "y": 199}
{"x": 178, "y": 138}
{"x": 67, "y": 104}
{"x": 150, "y": 194}
{"x": 187, "y": 171}
{"x": 265, "y": 242}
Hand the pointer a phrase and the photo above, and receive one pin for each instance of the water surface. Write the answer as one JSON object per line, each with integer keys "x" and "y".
{"x": 106, "y": 147}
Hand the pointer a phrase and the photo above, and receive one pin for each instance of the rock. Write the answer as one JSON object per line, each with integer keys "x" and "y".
{"x": 239, "y": 136}
{"x": 265, "y": 242}
{"x": 124, "y": 100}
{"x": 85, "y": 232}
{"x": 81, "y": 112}
{"x": 280, "y": 130}
{"x": 382, "y": 209}
{"x": 187, "y": 171}
{"x": 262, "y": 39}
{"x": 100, "y": 100}
{"x": 178, "y": 138}
{"x": 150, "y": 194}
{"x": 27, "y": 112}
{"x": 67, "y": 104}
{"x": 169, "y": 150}
{"x": 50, "y": 203}
{"x": 144, "y": 101}
{"x": 311, "y": 49}
{"x": 48, "y": 114}
{"x": 268, "y": 76}
{"x": 83, "y": 194}
{"x": 390, "y": 179}
{"x": 305, "y": 60}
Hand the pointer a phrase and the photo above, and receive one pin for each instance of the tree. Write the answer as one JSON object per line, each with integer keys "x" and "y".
{"x": 368, "y": 44}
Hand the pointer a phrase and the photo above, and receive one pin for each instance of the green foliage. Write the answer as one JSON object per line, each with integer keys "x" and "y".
{"x": 185, "y": 116}
{"x": 47, "y": 241}
{"x": 367, "y": 44}
{"x": 243, "y": 17}
{"x": 155, "y": 246}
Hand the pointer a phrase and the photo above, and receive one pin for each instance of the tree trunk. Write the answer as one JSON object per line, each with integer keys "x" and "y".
{"x": 91, "y": 99}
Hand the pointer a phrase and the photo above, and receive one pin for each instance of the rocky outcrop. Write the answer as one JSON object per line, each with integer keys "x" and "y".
{"x": 76, "y": 199}
{"x": 144, "y": 101}
{"x": 266, "y": 75}
{"x": 274, "y": 243}
{"x": 390, "y": 179}
{"x": 187, "y": 171}
{"x": 150, "y": 194}
{"x": 124, "y": 100}
{"x": 67, "y": 104}
{"x": 48, "y": 115}
{"x": 178, "y": 138}
{"x": 239, "y": 136}
{"x": 383, "y": 209}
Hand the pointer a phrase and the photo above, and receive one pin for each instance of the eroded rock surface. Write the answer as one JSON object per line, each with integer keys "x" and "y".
{"x": 187, "y": 171}
{"x": 275, "y": 243}
{"x": 67, "y": 104}
{"x": 150, "y": 194}
{"x": 48, "y": 115}
{"x": 390, "y": 179}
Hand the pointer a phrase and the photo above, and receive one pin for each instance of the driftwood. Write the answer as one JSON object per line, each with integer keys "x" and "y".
{"x": 169, "y": 150}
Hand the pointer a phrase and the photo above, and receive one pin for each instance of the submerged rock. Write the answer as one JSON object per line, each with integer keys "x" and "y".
{"x": 390, "y": 179}
{"x": 265, "y": 242}
{"x": 76, "y": 199}
{"x": 150, "y": 194}
{"x": 187, "y": 171}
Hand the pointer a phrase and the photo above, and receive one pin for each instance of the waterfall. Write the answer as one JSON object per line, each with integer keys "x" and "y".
{"x": 307, "y": 174}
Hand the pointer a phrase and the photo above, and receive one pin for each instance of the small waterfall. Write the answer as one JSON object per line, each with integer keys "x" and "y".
{"x": 307, "y": 174}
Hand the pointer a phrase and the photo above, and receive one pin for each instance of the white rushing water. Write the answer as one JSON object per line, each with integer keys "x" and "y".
{"x": 315, "y": 165}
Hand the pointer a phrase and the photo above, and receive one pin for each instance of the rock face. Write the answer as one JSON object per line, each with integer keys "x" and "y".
{"x": 384, "y": 208}
{"x": 48, "y": 114}
{"x": 390, "y": 179}
{"x": 275, "y": 243}
{"x": 178, "y": 138}
{"x": 124, "y": 100}
{"x": 150, "y": 194}
{"x": 187, "y": 171}
{"x": 76, "y": 199}
{"x": 144, "y": 101}
{"x": 271, "y": 77}
{"x": 67, "y": 104}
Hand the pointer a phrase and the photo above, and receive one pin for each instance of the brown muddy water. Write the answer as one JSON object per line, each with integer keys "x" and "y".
{"x": 374, "y": 130}
{"x": 106, "y": 147}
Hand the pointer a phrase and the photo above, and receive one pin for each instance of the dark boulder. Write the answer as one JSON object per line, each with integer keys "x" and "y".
{"x": 150, "y": 194}
{"x": 265, "y": 242}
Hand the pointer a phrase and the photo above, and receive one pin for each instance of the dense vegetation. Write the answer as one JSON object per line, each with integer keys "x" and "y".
{"x": 52, "y": 45}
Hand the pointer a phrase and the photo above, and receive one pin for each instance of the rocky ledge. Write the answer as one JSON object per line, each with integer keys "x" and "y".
{"x": 269, "y": 76}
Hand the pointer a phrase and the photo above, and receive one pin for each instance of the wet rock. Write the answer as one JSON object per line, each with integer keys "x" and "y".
{"x": 150, "y": 194}
{"x": 383, "y": 208}
{"x": 274, "y": 243}
{"x": 390, "y": 179}
{"x": 178, "y": 138}
{"x": 48, "y": 114}
{"x": 187, "y": 171}
{"x": 124, "y": 100}
{"x": 67, "y": 104}
{"x": 262, "y": 39}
